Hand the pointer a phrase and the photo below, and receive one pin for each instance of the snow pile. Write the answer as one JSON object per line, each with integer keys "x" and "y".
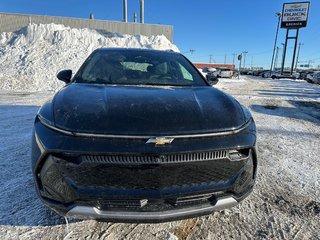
{"x": 31, "y": 57}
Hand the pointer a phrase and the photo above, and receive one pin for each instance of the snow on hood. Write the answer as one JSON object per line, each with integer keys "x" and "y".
{"x": 31, "y": 57}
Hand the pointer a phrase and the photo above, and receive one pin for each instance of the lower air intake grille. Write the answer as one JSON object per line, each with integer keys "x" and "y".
{"x": 150, "y": 159}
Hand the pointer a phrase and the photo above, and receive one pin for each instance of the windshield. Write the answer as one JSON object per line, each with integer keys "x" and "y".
{"x": 138, "y": 67}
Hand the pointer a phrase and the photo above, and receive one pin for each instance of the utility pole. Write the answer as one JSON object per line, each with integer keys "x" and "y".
{"x": 251, "y": 62}
{"x": 300, "y": 44}
{"x": 276, "y": 38}
{"x": 225, "y": 58}
{"x": 210, "y": 57}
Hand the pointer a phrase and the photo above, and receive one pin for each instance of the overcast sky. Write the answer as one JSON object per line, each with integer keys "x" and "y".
{"x": 217, "y": 28}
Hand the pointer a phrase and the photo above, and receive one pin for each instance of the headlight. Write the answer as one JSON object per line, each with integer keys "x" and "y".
{"x": 45, "y": 121}
{"x": 45, "y": 114}
{"x": 246, "y": 113}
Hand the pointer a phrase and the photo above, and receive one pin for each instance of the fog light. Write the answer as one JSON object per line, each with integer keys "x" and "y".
{"x": 239, "y": 155}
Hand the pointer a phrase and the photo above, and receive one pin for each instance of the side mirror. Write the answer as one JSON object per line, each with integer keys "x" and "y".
{"x": 65, "y": 75}
{"x": 212, "y": 80}
{"x": 215, "y": 81}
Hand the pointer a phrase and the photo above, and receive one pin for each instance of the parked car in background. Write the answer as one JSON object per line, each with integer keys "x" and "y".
{"x": 314, "y": 77}
{"x": 207, "y": 70}
{"x": 275, "y": 74}
{"x": 304, "y": 74}
{"x": 266, "y": 74}
{"x": 212, "y": 71}
{"x": 285, "y": 74}
{"x": 296, "y": 75}
{"x": 309, "y": 77}
{"x": 213, "y": 74}
{"x": 244, "y": 72}
{"x": 261, "y": 73}
{"x": 257, "y": 72}
{"x": 226, "y": 72}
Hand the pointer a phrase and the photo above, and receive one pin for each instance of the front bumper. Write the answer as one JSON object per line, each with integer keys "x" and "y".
{"x": 71, "y": 184}
{"x": 170, "y": 215}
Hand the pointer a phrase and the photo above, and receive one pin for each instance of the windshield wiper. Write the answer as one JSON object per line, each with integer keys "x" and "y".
{"x": 159, "y": 84}
{"x": 108, "y": 82}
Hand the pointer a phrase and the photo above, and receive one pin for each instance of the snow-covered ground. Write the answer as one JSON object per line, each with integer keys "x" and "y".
{"x": 284, "y": 204}
{"x": 31, "y": 57}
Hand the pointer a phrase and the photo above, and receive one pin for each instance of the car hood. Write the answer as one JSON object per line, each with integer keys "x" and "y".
{"x": 145, "y": 110}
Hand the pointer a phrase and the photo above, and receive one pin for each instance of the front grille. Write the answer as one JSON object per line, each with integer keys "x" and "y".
{"x": 119, "y": 175}
{"x": 152, "y": 176}
{"x": 153, "y": 159}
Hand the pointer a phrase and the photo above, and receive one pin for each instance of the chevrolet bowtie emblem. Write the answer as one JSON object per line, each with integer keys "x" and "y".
{"x": 296, "y": 6}
{"x": 160, "y": 140}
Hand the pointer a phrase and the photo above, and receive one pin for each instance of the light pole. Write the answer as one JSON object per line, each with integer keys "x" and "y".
{"x": 276, "y": 59}
{"x": 141, "y": 11}
{"x": 278, "y": 14}
{"x": 125, "y": 10}
{"x": 234, "y": 55}
{"x": 300, "y": 44}
{"x": 283, "y": 52}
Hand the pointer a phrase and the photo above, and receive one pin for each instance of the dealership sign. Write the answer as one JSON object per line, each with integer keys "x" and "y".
{"x": 295, "y": 15}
